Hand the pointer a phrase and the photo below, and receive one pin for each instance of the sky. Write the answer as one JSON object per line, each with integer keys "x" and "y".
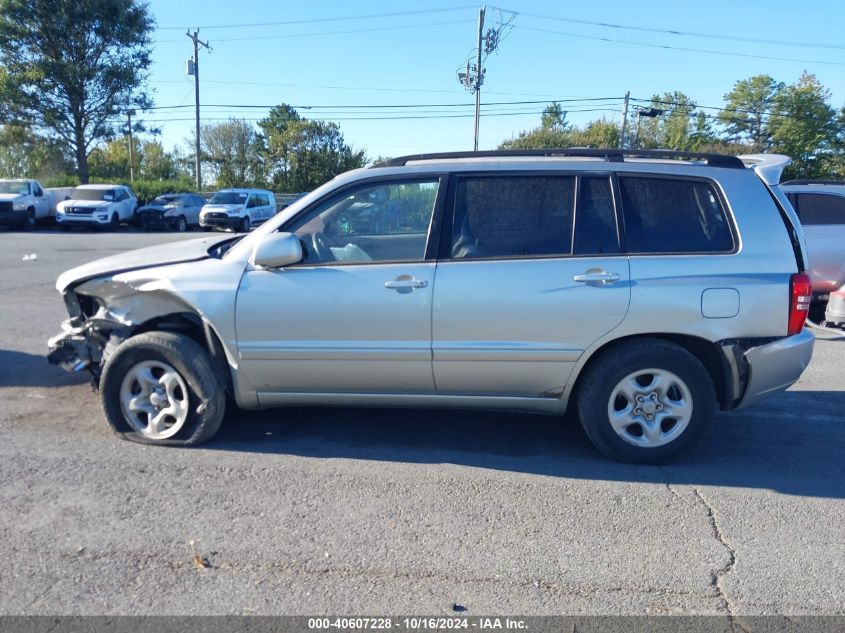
{"x": 328, "y": 58}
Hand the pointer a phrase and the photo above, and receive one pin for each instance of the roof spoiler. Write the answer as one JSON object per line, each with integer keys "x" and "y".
{"x": 768, "y": 166}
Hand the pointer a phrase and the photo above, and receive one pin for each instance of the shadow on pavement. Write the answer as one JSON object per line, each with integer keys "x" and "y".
{"x": 19, "y": 369}
{"x": 784, "y": 445}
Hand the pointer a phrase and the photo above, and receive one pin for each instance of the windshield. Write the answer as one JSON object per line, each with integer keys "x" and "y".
{"x": 92, "y": 194}
{"x": 228, "y": 197}
{"x": 10, "y": 186}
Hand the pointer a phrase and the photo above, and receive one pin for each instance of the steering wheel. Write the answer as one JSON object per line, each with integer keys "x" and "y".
{"x": 321, "y": 247}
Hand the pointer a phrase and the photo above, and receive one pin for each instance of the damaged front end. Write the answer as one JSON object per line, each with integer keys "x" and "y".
{"x": 104, "y": 312}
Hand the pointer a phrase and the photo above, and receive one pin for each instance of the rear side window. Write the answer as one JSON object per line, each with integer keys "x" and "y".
{"x": 671, "y": 215}
{"x": 819, "y": 208}
{"x": 595, "y": 218}
{"x": 520, "y": 216}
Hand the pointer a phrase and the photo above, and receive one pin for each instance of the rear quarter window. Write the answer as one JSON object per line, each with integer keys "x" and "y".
{"x": 819, "y": 208}
{"x": 673, "y": 215}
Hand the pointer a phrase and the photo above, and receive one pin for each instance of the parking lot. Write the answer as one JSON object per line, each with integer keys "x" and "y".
{"x": 308, "y": 511}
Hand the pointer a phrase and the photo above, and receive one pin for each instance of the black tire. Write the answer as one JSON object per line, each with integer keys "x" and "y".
{"x": 206, "y": 229}
{"x": 206, "y": 397}
{"x": 114, "y": 223}
{"x": 30, "y": 221}
{"x": 243, "y": 225}
{"x": 181, "y": 224}
{"x": 610, "y": 368}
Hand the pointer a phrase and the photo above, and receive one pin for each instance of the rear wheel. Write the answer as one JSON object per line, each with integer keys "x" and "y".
{"x": 646, "y": 402}
{"x": 160, "y": 388}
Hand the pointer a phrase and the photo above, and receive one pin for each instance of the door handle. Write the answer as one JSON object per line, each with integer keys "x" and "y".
{"x": 601, "y": 277}
{"x": 401, "y": 284}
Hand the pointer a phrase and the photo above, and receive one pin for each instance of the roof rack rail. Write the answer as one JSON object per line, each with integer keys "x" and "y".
{"x": 610, "y": 155}
{"x": 810, "y": 181}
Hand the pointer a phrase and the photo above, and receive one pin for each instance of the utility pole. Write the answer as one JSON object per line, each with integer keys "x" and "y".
{"x": 196, "y": 72}
{"x": 624, "y": 121}
{"x": 479, "y": 76}
{"x": 129, "y": 114}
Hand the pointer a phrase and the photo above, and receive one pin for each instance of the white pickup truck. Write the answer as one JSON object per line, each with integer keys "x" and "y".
{"x": 24, "y": 202}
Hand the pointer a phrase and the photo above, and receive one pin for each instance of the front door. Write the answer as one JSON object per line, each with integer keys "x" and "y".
{"x": 528, "y": 281}
{"x": 355, "y": 315}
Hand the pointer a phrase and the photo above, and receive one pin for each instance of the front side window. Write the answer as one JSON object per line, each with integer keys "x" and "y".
{"x": 387, "y": 221}
{"x": 820, "y": 208}
{"x": 673, "y": 215}
{"x": 513, "y": 216}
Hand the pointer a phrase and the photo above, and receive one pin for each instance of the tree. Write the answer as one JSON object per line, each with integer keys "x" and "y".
{"x": 73, "y": 67}
{"x": 231, "y": 150}
{"x": 599, "y": 133}
{"x": 746, "y": 107}
{"x": 24, "y": 154}
{"x": 804, "y": 126}
{"x": 301, "y": 155}
{"x": 554, "y": 118}
{"x": 674, "y": 128}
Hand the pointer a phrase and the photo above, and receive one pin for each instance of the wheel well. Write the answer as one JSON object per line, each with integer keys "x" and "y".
{"x": 193, "y": 326}
{"x": 705, "y": 351}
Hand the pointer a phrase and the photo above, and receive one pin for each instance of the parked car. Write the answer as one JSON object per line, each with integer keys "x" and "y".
{"x": 171, "y": 211}
{"x": 239, "y": 209}
{"x": 24, "y": 202}
{"x": 98, "y": 206}
{"x": 820, "y": 205}
{"x": 834, "y": 315}
{"x": 642, "y": 292}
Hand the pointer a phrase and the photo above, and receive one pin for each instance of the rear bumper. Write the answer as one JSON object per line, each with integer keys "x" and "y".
{"x": 776, "y": 366}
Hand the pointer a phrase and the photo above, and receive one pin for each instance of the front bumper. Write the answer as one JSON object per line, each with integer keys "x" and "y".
{"x": 776, "y": 366}
{"x": 92, "y": 219}
{"x": 10, "y": 216}
{"x": 221, "y": 221}
{"x": 155, "y": 220}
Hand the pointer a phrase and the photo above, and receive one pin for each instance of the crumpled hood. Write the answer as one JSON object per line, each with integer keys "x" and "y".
{"x": 157, "y": 207}
{"x": 9, "y": 197}
{"x": 161, "y": 255}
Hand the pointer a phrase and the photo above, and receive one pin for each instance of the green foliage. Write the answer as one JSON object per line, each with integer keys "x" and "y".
{"x": 600, "y": 133}
{"x": 554, "y": 118}
{"x": 146, "y": 190}
{"x": 300, "y": 155}
{"x": 231, "y": 149}
{"x": 73, "y": 67}
{"x": 24, "y": 154}
{"x": 805, "y": 127}
{"x": 745, "y": 108}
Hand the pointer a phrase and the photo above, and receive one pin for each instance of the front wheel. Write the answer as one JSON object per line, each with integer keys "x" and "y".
{"x": 243, "y": 225}
{"x": 646, "y": 402}
{"x": 181, "y": 224}
{"x": 114, "y": 224}
{"x": 160, "y": 388}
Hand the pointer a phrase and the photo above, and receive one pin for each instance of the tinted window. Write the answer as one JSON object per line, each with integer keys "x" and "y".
{"x": 519, "y": 216}
{"x": 36, "y": 190}
{"x": 820, "y": 208}
{"x": 595, "y": 220}
{"x": 387, "y": 221}
{"x": 664, "y": 215}
{"x": 262, "y": 200}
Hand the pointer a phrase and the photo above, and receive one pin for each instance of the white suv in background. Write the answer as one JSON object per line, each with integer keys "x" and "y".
{"x": 97, "y": 205}
{"x": 238, "y": 209}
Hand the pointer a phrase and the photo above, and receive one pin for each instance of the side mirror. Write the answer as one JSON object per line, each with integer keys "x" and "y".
{"x": 277, "y": 250}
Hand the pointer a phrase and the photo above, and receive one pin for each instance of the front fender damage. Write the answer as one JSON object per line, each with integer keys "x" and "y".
{"x": 103, "y": 313}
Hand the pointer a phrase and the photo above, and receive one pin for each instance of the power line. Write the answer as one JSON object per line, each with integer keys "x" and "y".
{"x": 298, "y": 35}
{"x": 320, "y": 20}
{"x": 679, "y": 48}
{"x": 675, "y": 32}
{"x": 400, "y": 105}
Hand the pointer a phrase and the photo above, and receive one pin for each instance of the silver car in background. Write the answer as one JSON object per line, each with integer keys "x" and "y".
{"x": 639, "y": 290}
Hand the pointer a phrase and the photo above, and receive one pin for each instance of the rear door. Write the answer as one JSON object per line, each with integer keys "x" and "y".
{"x": 530, "y": 274}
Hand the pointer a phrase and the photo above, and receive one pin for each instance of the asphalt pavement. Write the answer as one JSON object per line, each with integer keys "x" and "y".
{"x": 365, "y": 511}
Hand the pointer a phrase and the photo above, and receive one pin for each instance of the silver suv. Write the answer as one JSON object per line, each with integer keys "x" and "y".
{"x": 640, "y": 290}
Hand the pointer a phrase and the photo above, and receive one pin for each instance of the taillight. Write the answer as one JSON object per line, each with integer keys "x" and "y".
{"x": 800, "y": 294}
